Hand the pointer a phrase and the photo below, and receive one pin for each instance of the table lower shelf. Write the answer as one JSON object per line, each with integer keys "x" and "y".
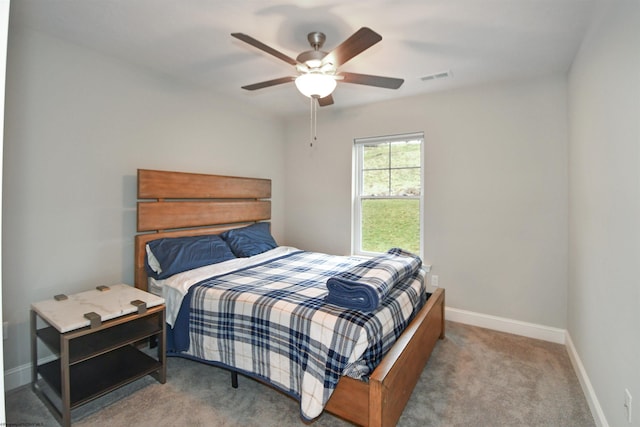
{"x": 100, "y": 375}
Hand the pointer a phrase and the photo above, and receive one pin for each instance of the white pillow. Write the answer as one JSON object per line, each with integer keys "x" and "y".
{"x": 153, "y": 262}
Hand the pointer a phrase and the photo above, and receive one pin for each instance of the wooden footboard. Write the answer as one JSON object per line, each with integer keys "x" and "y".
{"x": 380, "y": 402}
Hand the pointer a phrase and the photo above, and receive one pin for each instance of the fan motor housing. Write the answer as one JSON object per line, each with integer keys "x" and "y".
{"x": 316, "y": 40}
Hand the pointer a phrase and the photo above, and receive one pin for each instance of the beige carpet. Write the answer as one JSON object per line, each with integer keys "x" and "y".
{"x": 475, "y": 377}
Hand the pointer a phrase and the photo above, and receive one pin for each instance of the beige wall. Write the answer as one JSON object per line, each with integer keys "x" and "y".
{"x": 495, "y": 196}
{"x": 78, "y": 125}
{"x": 604, "y": 289}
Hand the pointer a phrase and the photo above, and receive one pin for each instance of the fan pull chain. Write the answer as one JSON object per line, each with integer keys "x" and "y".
{"x": 310, "y": 122}
{"x": 313, "y": 125}
{"x": 314, "y": 102}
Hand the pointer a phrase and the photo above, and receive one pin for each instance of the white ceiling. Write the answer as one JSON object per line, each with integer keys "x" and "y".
{"x": 478, "y": 40}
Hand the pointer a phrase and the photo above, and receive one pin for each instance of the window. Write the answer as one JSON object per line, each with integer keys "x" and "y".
{"x": 387, "y": 206}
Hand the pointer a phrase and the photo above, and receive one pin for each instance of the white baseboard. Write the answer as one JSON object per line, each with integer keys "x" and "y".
{"x": 21, "y": 375}
{"x": 587, "y": 388}
{"x": 516, "y": 327}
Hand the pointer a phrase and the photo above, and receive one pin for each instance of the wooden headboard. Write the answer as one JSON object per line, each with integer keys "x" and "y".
{"x": 175, "y": 204}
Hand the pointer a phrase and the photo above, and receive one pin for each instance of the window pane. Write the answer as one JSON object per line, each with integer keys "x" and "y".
{"x": 375, "y": 183}
{"x": 405, "y": 154}
{"x": 405, "y": 182}
{"x": 376, "y": 156}
{"x": 390, "y": 223}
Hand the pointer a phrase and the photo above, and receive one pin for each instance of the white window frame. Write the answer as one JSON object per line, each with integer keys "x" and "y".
{"x": 357, "y": 197}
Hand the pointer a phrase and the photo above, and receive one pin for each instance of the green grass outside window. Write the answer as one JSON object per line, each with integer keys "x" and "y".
{"x": 388, "y": 223}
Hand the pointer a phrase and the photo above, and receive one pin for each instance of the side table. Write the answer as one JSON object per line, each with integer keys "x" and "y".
{"x": 95, "y": 336}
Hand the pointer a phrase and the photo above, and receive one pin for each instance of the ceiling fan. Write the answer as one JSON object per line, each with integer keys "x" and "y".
{"x": 317, "y": 71}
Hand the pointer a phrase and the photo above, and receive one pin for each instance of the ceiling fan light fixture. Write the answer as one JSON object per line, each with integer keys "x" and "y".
{"x": 314, "y": 85}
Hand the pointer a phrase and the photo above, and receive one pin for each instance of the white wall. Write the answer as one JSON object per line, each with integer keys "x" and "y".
{"x": 604, "y": 290}
{"x": 496, "y": 190}
{"x": 78, "y": 125}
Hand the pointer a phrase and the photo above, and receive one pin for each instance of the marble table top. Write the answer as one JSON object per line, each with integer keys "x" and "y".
{"x": 68, "y": 315}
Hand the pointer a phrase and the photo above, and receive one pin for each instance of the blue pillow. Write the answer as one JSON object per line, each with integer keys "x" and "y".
{"x": 251, "y": 240}
{"x": 169, "y": 256}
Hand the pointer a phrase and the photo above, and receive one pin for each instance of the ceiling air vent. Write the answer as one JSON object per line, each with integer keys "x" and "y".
{"x": 437, "y": 76}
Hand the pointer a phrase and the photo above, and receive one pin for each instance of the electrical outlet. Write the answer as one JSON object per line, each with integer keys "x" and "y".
{"x": 434, "y": 280}
{"x": 627, "y": 403}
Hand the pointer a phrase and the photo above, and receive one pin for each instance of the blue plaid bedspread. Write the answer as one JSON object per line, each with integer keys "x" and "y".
{"x": 271, "y": 322}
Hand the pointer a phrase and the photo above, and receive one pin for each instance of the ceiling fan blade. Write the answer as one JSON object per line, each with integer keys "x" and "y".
{"x": 271, "y": 51}
{"x": 327, "y": 100}
{"x": 366, "y": 79}
{"x": 360, "y": 41}
{"x": 268, "y": 83}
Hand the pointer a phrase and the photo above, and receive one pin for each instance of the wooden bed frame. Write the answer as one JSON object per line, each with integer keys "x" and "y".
{"x": 173, "y": 204}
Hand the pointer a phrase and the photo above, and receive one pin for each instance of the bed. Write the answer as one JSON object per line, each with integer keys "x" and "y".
{"x": 177, "y": 204}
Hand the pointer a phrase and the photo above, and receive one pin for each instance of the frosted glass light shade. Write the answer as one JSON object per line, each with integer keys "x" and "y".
{"x": 315, "y": 84}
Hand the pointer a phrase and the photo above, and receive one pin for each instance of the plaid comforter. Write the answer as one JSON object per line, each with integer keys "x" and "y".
{"x": 270, "y": 321}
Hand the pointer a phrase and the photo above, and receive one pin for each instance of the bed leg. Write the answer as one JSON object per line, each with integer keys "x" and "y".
{"x": 234, "y": 379}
